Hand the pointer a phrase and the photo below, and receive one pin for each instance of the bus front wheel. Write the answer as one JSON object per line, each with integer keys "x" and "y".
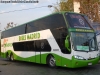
{"x": 51, "y": 61}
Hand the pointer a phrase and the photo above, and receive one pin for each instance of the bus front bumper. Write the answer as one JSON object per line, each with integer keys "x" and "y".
{"x": 76, "y": 63}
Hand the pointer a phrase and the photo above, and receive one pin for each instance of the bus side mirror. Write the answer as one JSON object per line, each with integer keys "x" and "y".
{"x": 67, "y": 43}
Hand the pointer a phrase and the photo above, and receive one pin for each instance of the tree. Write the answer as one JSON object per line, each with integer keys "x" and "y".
{"x": 10, "y": 25}
{"x": 91, "y": 9}
{"x": 64, "y": 5}
{"x": 87, "y": 7}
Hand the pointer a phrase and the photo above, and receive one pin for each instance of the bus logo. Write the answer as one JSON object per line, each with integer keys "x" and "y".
{"x": 4, "y": 42}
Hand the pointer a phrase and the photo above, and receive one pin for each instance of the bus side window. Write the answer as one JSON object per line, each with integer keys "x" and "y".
{"x": 37, "y": 45}
{"x": 45, "y": 46}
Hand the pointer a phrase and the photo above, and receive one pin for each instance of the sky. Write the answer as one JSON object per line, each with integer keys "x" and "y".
{"x": 19, "y": 17}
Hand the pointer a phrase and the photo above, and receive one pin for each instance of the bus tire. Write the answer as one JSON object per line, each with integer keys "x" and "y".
{"x": 51, "y": 61}
{"x": 11, "y": 57}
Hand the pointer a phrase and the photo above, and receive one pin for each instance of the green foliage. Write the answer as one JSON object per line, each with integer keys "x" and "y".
{"x": 64, "y": 6}
{"x": 87, "y": 7}
{"x": 91, "y": 9}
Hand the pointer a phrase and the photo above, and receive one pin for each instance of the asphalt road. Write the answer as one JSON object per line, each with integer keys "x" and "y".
{"x": 25, "y": 68}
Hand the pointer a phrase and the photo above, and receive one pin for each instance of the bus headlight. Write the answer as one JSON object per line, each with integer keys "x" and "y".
{"x": 78, "y": 57}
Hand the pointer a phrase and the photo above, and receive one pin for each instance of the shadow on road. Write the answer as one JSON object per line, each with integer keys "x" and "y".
{"x": 23, "y": 63}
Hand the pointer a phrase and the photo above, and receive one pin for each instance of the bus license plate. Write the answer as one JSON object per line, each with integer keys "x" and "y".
{"x": 89, "y": 63}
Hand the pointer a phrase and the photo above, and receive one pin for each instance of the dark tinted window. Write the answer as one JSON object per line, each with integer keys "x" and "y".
{"x": 19, "y": 46}
{"x": 45, "y": 45}
{"x": 50, "y": 22}
{"x": 19, "y": 30}
{"x": 2, "y": 35}
{"x": 10, "y": 32}
{"x": 24, "y": 46}
{"x": 36, "y": 45}
{"x": 77, "y": 21}
{"x": 14, "y": 31}
{"x": 30, "y": 46}
{"x": 31, "y": 27}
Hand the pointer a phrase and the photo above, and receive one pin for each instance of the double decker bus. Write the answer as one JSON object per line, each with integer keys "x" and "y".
{"x": 63, "y": 39}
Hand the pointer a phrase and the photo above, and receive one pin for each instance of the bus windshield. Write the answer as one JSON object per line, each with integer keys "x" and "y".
{"x": 84, "y": 41}
{"x": 77, "y": 21}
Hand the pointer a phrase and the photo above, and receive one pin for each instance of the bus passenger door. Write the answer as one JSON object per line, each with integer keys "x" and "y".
{"x": 66, "y": 50}
{"x": 37, "y": 51}
{"x": 42, "y": 47}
